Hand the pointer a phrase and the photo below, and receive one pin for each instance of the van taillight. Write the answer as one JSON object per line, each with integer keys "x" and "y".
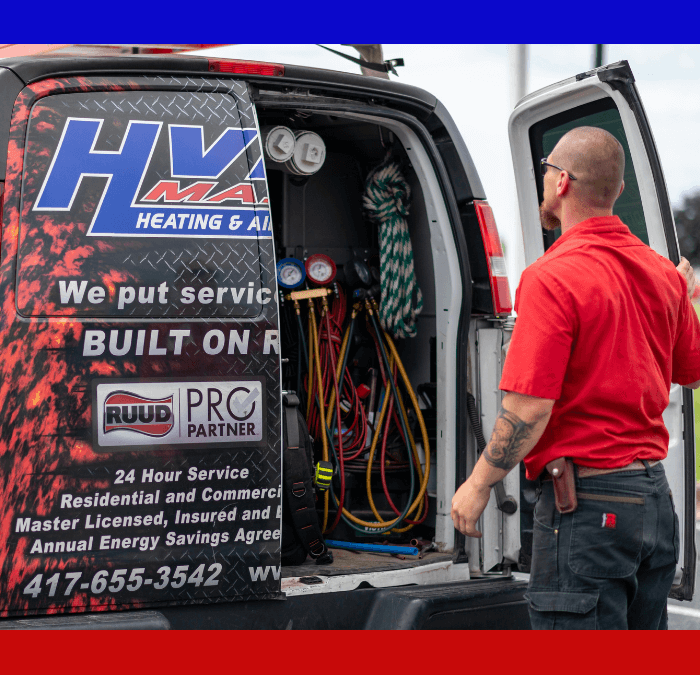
{"x": 245, "y": 67}
{"x": 498, "y": 277}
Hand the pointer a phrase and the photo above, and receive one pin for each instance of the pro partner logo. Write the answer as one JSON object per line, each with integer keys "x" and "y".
{"x": 130, "y": 415}
{"x": 128, "y": 411}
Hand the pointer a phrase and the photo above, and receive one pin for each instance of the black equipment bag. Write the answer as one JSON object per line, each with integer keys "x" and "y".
{"x": 301, "y": 530}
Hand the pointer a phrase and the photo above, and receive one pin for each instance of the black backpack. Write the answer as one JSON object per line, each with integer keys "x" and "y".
{"x": 301, "y": 530}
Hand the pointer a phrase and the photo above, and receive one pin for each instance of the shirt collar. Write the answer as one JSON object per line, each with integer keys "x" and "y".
{"x": 592, "y": 226}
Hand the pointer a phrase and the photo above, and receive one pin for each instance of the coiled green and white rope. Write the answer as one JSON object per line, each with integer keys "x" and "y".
{"x": 386, "y": 201}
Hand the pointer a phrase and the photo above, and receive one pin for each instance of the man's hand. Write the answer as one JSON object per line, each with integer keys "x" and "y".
{"x": 686, "y": 270}
{"x": 468, "y": 504}
{"x": 519, "y": 425}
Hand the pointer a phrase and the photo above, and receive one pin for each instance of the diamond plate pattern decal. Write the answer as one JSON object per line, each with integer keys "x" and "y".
{"x": 47, "y": 456}
{"x": 227, "y": 264}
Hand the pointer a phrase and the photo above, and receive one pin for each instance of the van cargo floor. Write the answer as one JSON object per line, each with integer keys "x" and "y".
{"x": 356, "y": 562}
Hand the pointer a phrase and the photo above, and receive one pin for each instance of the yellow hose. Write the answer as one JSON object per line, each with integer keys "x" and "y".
{"x": 415, "y": 455}
{"x": 414, "y": 450}
{"x": 410, "y": 437}
{"x": 419, "y": 415}
{"x": 424, "y": 433}
{"x": 314, "y": 358}
{"x": 339, "y": 365}
{"x": 373, "y": 447}
{"x": 313, "y": 339}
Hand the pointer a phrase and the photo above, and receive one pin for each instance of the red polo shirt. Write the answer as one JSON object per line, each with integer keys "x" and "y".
{"x": 604, "y": 326}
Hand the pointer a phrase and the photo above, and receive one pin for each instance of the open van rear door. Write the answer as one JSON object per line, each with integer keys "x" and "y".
{"x": 607, "y": 97}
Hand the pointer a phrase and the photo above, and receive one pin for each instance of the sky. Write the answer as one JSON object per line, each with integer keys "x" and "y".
{"x": 472, "y": 81}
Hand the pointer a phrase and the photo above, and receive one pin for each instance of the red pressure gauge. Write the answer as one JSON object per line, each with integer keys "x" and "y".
{"x": 320, "y": 269}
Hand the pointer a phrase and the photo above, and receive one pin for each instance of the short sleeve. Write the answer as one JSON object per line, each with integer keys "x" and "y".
{"x": 542, "y": 339}
{"x": 686, "y": 351}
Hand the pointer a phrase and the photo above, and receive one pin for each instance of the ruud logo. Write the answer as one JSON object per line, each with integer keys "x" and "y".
{"x": 212, "y": 412}
{"x": 128, "y": 411}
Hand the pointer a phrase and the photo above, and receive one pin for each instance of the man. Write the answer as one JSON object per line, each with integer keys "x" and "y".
{"x": 604, "y": 326}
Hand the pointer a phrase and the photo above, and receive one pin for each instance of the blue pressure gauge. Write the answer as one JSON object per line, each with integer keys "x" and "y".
{"x": 290, "y": 272}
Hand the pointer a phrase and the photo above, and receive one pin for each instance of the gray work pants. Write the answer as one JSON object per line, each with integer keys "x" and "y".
{"x": 610, "y": 564}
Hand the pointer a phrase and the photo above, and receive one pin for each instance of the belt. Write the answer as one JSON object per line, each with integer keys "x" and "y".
{"x": 588, "y": 471}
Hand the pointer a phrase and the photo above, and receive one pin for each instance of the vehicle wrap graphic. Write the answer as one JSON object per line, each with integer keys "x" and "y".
{"x": 197, "y": 197}
{"x": 84, "y": 528}
{"x": 196, "y": 277}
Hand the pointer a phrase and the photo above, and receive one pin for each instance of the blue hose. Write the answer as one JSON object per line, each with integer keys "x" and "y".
{"x": 372, "y": 548}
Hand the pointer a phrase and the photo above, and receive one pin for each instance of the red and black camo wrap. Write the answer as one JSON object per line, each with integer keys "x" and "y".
{"x": 47, "y": 384}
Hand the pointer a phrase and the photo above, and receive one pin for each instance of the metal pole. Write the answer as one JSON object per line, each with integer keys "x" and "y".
{"x": 519, "y": 66}
{"x": 518, "y": 55}
{"x": 598, "y": 55}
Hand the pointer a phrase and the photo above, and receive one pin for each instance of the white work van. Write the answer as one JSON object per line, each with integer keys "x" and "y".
{"x": 150, "y": 209}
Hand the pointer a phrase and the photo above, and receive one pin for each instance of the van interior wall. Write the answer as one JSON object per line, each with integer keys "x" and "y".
{"x": 323, "y": 213}
{"x": 419, "y": 353}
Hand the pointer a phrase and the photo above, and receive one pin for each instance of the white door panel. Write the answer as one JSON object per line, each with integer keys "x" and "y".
{"x": 488, "y": 348}
{"x": 674, "y": 463}
{"x": 501, "y": 531}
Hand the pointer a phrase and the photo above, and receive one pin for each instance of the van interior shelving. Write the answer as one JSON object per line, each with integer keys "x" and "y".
{"x": 323, "y": 213}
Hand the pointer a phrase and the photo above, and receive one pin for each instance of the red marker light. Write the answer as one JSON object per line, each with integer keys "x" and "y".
{"x": 500, "y": 290}
{"x": 246, "y": 67}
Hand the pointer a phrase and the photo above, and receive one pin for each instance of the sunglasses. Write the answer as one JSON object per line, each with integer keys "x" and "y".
{"x": 544, "y": 164}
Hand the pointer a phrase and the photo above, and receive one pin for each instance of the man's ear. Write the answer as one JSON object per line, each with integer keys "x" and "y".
{"x": 563, "y": 183}
{"x": 622, "y": 187}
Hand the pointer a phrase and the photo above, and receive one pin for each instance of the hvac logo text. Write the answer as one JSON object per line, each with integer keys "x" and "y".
{"x": 205, "y": 192}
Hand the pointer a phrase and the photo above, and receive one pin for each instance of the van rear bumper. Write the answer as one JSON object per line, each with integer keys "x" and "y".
{"x": 474, "y": 604}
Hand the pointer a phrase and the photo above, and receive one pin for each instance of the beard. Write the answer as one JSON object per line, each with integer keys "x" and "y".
{"x": 548, "y": 220}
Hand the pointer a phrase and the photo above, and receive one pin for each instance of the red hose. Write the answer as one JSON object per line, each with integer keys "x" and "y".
{"x": 351, "y": 442}
{"x": 382, "y": 461}
{"x": 355, "y": 435}
{"x": 341, "y": 500}
{"x": 383, "y": 372}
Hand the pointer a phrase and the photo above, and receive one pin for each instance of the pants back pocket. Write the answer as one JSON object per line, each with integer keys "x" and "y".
{"x": 607, "y": 532}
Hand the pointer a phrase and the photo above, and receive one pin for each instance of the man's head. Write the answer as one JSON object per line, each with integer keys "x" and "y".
{"x": 592, "y": 165}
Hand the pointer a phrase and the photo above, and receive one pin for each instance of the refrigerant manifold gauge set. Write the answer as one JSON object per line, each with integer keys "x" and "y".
{"x": 370, "y": 440}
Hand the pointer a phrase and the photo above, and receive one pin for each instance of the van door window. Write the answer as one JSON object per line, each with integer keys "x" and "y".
{"x": 150, "y": 204}
{"x": 604, "y": 114}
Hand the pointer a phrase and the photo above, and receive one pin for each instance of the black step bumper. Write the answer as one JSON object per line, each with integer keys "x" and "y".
{"x": 475, "y": 604}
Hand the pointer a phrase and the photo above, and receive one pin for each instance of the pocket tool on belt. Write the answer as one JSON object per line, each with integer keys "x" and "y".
{"x": 562, "y": 472}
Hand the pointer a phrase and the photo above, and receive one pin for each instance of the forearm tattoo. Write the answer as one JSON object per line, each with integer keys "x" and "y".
{"x": 510, "y": 433}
